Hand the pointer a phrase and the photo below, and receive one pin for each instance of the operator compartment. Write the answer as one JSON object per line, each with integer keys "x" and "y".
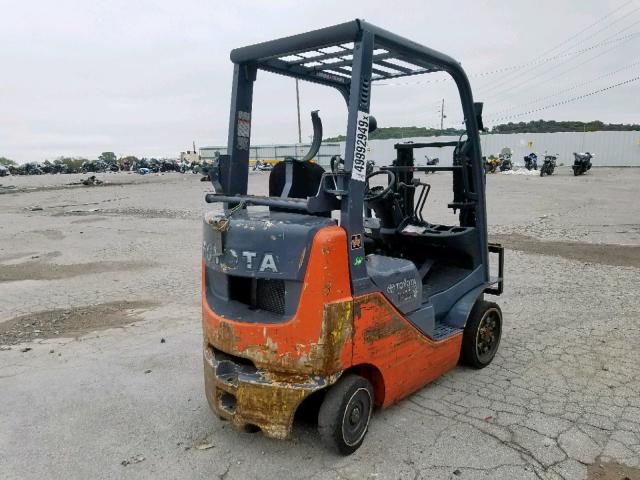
{"x": 255, "y": 263}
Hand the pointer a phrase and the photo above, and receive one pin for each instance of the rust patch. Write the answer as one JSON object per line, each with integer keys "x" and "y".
{"x": 386, "y": 323}
{"x": 271, "y": 407}
{"x": 375, "y": 333}
{"x": 269, "y": 402}
{"x": 225, "y": 337}
{"x": 324, "y": 356}
{"x": 317, "y": 339}
{"x": 337, "y": 332}
{"x": 384, "y": 339}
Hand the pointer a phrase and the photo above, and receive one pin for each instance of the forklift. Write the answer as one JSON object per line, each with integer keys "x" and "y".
{"x": 335, "y": 289}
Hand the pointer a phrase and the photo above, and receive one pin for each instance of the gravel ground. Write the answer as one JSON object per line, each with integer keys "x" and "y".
{"x": 100, "y": 342}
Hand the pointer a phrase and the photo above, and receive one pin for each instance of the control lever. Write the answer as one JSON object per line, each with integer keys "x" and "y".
{"x": 422, "y": 199}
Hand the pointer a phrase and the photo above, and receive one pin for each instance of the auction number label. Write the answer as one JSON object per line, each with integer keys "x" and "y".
{"x": 359, "y": 170}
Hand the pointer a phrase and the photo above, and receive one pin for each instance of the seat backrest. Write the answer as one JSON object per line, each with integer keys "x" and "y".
{"x": 306, "y": 179}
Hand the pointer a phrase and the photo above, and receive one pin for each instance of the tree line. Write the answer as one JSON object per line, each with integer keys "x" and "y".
{"x": 552, "y": 126}
{"x": 534, "y": 126}
{"x": 384, "y": 133}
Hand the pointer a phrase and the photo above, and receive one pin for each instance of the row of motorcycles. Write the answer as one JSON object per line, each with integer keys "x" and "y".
{"x": 503, "y": 162}
{"x": 141, "y": 166}
{"x": 548, "y": 165}
{"x": 581, "y": 163}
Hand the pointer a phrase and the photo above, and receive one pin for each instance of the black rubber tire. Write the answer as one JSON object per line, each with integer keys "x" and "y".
{"x": 469, "y": 353}
{"x": 349, "y": 392}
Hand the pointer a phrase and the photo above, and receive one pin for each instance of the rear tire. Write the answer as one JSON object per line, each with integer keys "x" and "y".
{"x": 482, "y": 333}
{"x": 343, "y": 419}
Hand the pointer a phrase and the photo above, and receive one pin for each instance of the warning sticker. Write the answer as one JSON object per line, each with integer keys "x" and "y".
{"x": 356, "y": 241}
{"x": 359, "y": 170}
{"x": 244, "y": 130}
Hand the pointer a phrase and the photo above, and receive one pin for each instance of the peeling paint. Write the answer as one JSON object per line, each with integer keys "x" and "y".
{"x": 308, "y": 352}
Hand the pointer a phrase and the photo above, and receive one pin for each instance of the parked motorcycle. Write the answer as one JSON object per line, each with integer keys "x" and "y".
{"x": 261, "y": 166}
{"x": 506, "y": 163}
{"x": 505, "y": 156}
{"x": 549, "y": 165}
{"x": 581, "y": 163}
{"x": 491, "y": 164}
{"x": 432, "y": 161}
{"x": 531, "y": 161}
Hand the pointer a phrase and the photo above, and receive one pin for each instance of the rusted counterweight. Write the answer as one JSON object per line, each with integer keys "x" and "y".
{"x": 260, "y": 399}
{"x": 290, "y": 360}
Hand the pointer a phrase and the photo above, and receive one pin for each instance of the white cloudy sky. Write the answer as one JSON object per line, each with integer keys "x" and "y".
{"x": 146, "y": 77}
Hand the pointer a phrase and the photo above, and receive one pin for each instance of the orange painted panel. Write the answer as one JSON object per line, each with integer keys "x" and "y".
{"x": 317, "y": 340}
{"x": 406, "y": 358}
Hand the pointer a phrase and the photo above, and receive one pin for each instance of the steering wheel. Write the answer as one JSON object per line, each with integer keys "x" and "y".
{"x": 378, "y": 192}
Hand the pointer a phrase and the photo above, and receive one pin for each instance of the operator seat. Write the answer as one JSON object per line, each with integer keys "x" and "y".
{"x": 306, "y": 179}
{"x": 305, "y": 176}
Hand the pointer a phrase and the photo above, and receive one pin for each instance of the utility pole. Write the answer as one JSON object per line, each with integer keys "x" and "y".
{"x": 298, "y": 105}
{"x": 442, "y": 117}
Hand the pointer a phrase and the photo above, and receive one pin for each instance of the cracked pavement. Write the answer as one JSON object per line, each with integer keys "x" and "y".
{"x": 561, "y": 398}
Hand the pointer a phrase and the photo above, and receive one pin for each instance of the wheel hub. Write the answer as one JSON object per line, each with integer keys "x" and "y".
{"x": 488, "y": 334}
{"x": 354, "y": 418}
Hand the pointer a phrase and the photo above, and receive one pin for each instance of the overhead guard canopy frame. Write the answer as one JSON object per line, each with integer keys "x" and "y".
{"x": 326, "y": 55}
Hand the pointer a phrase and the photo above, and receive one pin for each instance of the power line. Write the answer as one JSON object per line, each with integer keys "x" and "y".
{"x": 510, "y": 76}
{"x": 587, "y": 28}
{"x": 573, "y": 87}
{"x": 576, "y": 52}
{"x": 594, "y": 34}
{"x": 569, "y": 100}
{"x": 513, "y": 67}
{"x": 502, "y": 93}
{"x": 497, "y": 87}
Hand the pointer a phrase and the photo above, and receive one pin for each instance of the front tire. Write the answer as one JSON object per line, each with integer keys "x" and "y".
{"x": 343, "y": 419}
{"x": 482, "y": 334}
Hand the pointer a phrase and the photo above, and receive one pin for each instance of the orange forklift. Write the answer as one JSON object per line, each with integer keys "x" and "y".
{"x": 333, "y": 288}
